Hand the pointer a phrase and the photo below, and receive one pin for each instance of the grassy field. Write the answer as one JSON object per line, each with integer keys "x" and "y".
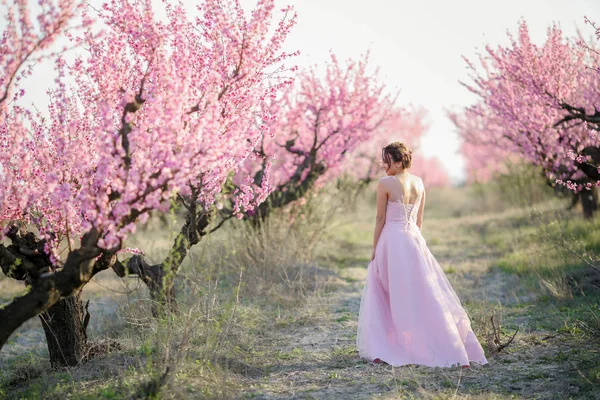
{"x": 272, "y": 314}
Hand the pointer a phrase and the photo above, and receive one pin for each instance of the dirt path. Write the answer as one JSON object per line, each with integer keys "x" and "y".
{"x": 319, "y": 360}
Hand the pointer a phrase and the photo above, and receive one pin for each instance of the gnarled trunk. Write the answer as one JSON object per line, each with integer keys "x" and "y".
{"x": 296, "y": 188}
{"x": 53, "y": 293}
{"x": 65, "y": 325}
{"x": 160, "y": 278}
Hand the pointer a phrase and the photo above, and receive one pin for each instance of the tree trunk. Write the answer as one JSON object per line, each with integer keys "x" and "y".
{"x": 299, "y": 184}
{"x": 589, "y": 202}
{"x": 162, "y": 292}
{"x": 159, "y": 283}
{"x": 65, "y": 326}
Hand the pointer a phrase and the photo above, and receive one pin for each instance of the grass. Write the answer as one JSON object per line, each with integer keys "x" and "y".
{"x": 272, "y": 314}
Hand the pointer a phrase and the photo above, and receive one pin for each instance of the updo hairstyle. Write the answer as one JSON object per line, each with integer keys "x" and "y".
{"x": 397, "y": 152}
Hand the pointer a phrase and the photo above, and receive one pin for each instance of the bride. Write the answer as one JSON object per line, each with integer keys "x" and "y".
{"x": 409, "y": 313}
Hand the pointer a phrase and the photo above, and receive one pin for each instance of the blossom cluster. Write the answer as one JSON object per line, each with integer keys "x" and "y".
{"x": 151, "y": 108}
{"x": 531, "y": 99}
{"x": 321, "y": 121}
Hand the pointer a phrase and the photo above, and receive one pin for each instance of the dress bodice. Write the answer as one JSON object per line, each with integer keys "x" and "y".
{"x": 399, "y": 212}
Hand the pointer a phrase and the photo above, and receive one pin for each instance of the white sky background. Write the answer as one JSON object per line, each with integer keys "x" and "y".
{"x": 418, "y": 44}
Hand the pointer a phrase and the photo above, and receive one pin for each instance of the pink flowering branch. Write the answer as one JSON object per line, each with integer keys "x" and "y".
{"x": 21, "y": 40}
{"x": 537, "y": 102}
{"x": 321, "y": 121}
{"x": 405, "y": 125}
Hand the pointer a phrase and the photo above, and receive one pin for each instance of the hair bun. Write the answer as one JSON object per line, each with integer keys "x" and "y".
{"x": 397, "y": 152}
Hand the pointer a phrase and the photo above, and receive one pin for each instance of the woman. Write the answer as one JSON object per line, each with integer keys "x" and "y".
{"x": 409, "y": 313}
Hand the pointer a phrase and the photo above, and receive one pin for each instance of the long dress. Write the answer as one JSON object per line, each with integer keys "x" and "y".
{"x": 409, "y": 313}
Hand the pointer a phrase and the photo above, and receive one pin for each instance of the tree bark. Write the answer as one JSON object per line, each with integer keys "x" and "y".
{"x": 589, "y": 202}
{"x": 293, "y": 190}
{"x": 160, "y": 278}
{"x": 65, "y": 325}
{"x": 47, "y": 289}
{"x": 156, "y": 277}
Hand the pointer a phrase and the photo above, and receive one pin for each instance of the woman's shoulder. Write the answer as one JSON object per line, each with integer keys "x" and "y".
{"x": 417, "y": 182}
{"x": 417, "y": 178}
{"x": 387, "y": 180}
{"x": 391, "y": 178}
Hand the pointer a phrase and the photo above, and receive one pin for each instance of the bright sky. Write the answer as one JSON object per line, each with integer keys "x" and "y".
{"x": 419, "y": 45}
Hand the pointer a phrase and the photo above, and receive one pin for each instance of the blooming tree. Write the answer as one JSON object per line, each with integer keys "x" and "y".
{"x": 407, "y": 125}
{"x": 483, "y": 146}
{"x": 23, "y": 43}
{"x": 151, "y": 110}
{"x": 482, "y": 162}
{"x": 320, "y": 121}
{"x": 539, "y": 102}
{"x": 431, "y": 170}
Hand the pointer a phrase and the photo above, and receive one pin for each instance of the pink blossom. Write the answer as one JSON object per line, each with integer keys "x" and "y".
{"x": 321, "y": 121}
{"x": 149, "y": 109}
{"x": 528, "y": 99}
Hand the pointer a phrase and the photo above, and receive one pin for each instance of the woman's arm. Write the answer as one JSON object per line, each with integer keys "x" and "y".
{"x": 420, "y": 213}
{"x": 382, "y": 197}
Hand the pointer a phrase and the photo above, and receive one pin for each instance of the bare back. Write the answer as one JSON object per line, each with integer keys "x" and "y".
{"x": 403, "y": 189}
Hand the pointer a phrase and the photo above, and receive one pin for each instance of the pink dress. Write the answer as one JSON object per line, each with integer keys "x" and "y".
{"x": 409, "y": 313}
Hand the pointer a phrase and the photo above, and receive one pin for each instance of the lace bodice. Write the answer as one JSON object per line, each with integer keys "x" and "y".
{"x": 398, "y": 211}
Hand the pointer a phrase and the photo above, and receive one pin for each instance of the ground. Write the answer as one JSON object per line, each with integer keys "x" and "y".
{"x": 296, "y": 338}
